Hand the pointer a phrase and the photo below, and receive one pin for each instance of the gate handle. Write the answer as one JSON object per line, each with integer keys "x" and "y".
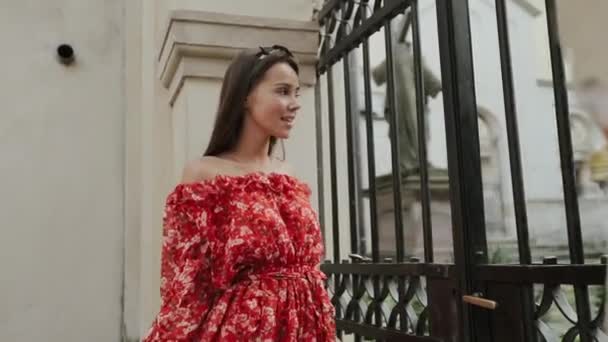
{"x": 477, "y": 300}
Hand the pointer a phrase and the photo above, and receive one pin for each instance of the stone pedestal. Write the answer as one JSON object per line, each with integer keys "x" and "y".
{"x": 411, "y": 207}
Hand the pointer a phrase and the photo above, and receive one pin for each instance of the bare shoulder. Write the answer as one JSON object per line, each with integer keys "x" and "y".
{"x": 282, "y": 166}
{"x": 201, "y": 169}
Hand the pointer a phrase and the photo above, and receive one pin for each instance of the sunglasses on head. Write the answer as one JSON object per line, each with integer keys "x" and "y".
{"x": 267, "y": 50}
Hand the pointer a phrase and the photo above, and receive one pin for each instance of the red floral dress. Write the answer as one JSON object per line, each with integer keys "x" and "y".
{"x": 240, "y": 260}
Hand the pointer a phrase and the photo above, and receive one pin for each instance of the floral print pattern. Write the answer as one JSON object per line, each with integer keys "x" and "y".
{"x": 240, "y": 260}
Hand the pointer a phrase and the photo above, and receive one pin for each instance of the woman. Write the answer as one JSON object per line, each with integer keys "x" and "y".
{"x": 241, "y": 243}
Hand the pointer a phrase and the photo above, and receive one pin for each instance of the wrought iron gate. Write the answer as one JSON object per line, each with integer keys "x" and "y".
{"x": 470, "y": 299}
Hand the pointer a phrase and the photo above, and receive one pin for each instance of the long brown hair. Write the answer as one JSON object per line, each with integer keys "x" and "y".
{"x": 245, "y": 71}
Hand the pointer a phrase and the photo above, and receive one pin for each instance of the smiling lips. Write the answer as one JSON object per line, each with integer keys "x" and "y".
{"x": 288, "y": 119}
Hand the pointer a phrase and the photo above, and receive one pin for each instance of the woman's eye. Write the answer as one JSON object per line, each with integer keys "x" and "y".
{"x": 283, "y": 91}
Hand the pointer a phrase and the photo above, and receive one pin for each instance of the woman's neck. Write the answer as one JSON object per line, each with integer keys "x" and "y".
{"x": 248, "y": 157}
{"x": 251, "y": 150}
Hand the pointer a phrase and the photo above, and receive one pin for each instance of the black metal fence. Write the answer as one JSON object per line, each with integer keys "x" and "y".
{"x": 470, "y": 299}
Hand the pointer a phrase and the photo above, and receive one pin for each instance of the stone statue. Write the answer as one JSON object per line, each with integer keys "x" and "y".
{"x": 405, "y": 91}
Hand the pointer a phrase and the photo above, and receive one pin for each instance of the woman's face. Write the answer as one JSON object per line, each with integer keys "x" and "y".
{"x": 273, "y": 104}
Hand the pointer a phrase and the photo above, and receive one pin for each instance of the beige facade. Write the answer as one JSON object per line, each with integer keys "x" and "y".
{"x": 581, "y": 27}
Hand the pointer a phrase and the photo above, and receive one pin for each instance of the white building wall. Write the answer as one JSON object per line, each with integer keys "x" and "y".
{"x": 61, "y": 175}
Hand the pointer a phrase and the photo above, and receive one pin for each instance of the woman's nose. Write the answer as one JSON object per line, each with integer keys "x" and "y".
{"x": 295, "y": 106}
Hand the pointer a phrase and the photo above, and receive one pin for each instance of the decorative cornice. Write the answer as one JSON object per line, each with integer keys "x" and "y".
{"x": 201, "y": 44}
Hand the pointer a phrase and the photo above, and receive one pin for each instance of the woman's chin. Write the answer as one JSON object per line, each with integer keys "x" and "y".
{"x": 282, "y": 134}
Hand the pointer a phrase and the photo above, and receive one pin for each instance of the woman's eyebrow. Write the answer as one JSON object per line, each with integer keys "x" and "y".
{"x": 285, "y": 84}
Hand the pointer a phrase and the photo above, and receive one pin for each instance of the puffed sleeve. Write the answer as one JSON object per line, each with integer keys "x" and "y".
{"x": 185, "y": 284}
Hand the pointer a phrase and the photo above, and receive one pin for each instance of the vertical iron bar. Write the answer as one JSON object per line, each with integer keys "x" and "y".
{"x": 464, "y": 162}
{"x": 519, "y": 197}
{"x": 575, "y": 239}
{"x": 346, "y": 10}
{"x": 332, "y": 161}
{"x": 427, "y": 230}
{"x": 356, "y": 22}
{"x": 352, "y": 195}
{"x": 333, "y": 176}
{"x": 395, "y": 153}
{"x": 565, "y": 143}
{"x": 395, "y": 157}
{"x": 371, "y": 153}
{"x": 319, "y": 139}
{"x": 371, "y": 164}
{"x": 362, "y": 248}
